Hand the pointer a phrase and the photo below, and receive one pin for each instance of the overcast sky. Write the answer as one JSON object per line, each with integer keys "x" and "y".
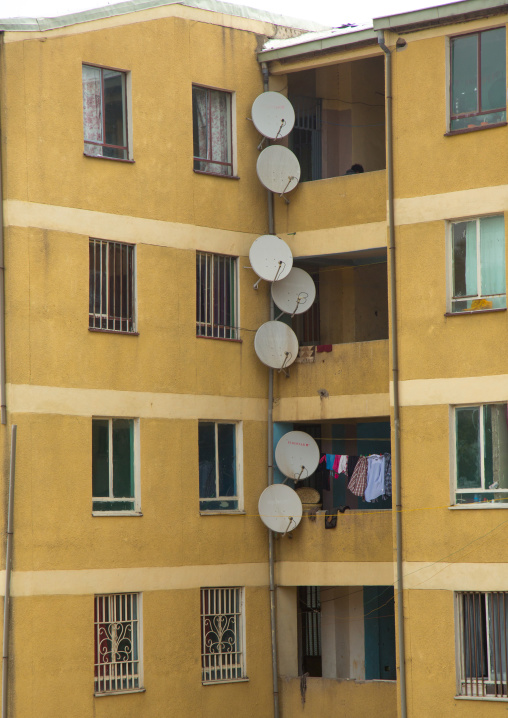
{"x": 327, "y": 12}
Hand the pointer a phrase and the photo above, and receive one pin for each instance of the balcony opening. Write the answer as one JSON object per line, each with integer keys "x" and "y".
{"x": 346, "y": 632}
{"x": 351, "y": 302}
{"x": 340, "y": 118}
{"x": 353, "y": 438}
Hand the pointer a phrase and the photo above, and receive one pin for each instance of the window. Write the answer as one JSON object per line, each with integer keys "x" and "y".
{"x": 478, "y": 79}
{"x": 117, "y": 643}
{"x": 114, "y": 475}
{"x": 478, "y": 264}
{"x": 482, "y": 650}
{"x": 218, "y": 466}
{"x": 112, "y": 289}
{"x": 222, "y": 635}
{"x": 105, "y": 112}
{"x": 212, "y": 122}
{"x": 481, "y": 450}
{"x": 216, "y": 296}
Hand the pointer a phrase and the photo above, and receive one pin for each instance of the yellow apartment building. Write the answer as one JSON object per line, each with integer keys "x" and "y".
{"x": 140, "y": 579}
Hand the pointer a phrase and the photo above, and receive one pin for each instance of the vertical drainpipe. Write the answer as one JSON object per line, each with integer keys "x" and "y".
{"x": 3, "y": 402}
{"x": 271, "y": 547}
{"x": 395, "y": 370}
{"x": 8, "y": 565}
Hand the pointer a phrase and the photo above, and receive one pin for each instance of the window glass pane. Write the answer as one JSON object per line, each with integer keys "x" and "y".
{"x": 207, "y": 483}
{"x": 496, "y": 446}
{"x": 227, "y": 459}
{"x": 123, "y": 465}
{"x": 492, "y": 255}
{"x": 100, "y": 457}
{"x": 468, "y": 447}
{"x": 464, "y": 259}
{"x": 464, "y": 74}
{"x": 114, "y": 112}
{"x": 493, "y": 69}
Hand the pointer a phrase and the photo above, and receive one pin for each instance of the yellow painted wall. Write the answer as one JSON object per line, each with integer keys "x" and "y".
{"x": 53, "y": 650}
{"x": 354, "y": 368}
{"x": 336, "y": 697}
{"x": 435, "y": 163}
{"x": 42, "y": 83}
{"x": 334, "y": 202}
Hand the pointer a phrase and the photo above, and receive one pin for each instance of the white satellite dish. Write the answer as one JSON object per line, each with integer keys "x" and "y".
{"x": 280, "y": 508}
{"x": 278, "y": 169}
{"x": 270, "y": 257}
{"x": 276, "y": 345}
{"x": 273, "y": 115}
{"x": 295, "y": 293}
{"x": 297, "y": 455}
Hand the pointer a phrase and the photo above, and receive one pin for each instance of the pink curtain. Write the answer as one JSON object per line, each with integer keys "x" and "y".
{"x": 92, "y": 109}
{"x": 213, "y": 128}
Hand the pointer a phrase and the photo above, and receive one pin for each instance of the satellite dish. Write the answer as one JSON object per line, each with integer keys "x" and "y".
{"x": 280, "y": 508}
{"x": 273, "y": 115}
{"x": 278, "y": 169}
{"x": 270, "y": 257}
{"x": 276, "y": 345}
{"x": 297, "y": 455}
{"x": 295, "y": 293}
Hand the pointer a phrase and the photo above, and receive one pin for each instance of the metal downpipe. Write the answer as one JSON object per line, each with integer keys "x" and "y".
{"x": 271, "y": 546}
{"x": 395, "y": 371}
{"x": 8, "y": 566}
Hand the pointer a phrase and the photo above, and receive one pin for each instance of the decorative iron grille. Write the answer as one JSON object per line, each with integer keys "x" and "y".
{"x": 117, "y": 661}
{"x": 222, "y": 656}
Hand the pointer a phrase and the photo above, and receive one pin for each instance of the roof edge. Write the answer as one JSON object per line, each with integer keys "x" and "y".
{"x": 441, "y": 15}
{"x": 303, "y": 46}
{"x": 43, "y": 24}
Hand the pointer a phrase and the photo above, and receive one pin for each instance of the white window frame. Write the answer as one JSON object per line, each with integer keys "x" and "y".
{"x": 476, "y": 687}
{"x": 207, "y": 329}
{"x": 221, "y": 628}
{"x": 127, "y": 109}
{"x": 96, "y": 321}
{"x": 233, "y": 126}
{"x": 449, "y": 274}
{"x": 239, "y": 468}
{"x": 137, "y": 471}
{"x": 454, "y": 490}
{"x": 113, "y": 634}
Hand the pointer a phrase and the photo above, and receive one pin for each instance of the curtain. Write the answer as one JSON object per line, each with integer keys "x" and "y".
{"x": 212, "y": 130}
{"x": 471, "y": 272}
{"x": 492, "y": 256}
{"x": 92, "y": 109}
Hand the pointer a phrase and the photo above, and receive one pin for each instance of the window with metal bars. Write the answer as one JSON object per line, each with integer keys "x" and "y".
{"x": 105, "y": 112}
{"x": 482, "y": 646}
{"x": 112, "y": 286}
{"x": 309, "y": 608}
{"x": 216, "y": 296}
{"x": 212, "y": 122}
{"x": 478, "y": 79}
{"x": 222, "y": 635}
{"x": 117, "y": 643}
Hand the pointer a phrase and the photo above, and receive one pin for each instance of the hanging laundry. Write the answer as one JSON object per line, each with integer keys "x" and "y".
{"x": 343, "y": 464}
{"x": 375, "y": 477}
{"x": 388, "y": 474}
{"x": 358, "y": 481}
